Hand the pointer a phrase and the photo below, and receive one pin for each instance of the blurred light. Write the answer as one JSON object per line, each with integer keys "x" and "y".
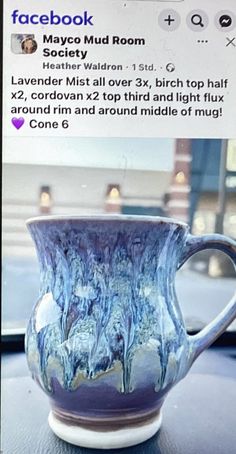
{"x": 214, "y": 269}
{"x": 45, "y": 200}
{"x": 113, "y": 198}
{"x": 180, "y": 177}
{"x": 114, "y": 194}
{"x": 199, "y": 224}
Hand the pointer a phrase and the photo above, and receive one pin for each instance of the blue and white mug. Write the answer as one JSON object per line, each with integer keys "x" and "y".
{"x": 106, "y": 339}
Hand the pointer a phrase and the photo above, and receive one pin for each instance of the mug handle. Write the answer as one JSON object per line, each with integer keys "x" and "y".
{"x": 214, "y": 329}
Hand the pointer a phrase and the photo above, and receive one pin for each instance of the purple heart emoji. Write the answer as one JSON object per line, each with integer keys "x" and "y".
{"x": 17, "y": 122}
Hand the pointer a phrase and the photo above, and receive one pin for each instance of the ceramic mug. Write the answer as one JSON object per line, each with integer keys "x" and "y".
{"x": 106, "y": 339}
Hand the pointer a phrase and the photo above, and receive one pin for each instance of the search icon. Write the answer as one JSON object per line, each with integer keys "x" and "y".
{"x": 197, "y": 20}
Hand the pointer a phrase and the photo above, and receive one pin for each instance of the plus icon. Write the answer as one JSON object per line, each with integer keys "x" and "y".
{"x": 169, "y": 19}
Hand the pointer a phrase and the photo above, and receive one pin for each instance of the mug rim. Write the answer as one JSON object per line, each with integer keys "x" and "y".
{"x": 106, "y": 217}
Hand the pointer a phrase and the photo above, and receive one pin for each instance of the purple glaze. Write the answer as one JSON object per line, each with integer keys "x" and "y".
{"x": 106, "y": 336}
{"x": 105, "y": 401}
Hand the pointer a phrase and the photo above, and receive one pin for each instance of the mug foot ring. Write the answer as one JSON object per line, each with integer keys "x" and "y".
{"x": 121, "y": 438}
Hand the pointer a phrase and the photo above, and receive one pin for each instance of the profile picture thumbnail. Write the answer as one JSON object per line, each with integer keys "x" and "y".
{"x": 23, "y": 43}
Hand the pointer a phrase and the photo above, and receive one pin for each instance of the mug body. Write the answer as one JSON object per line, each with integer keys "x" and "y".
{"x": 106, "y": 339}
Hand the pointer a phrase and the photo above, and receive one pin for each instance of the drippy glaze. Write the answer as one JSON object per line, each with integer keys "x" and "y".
{"x": 107, "y": 309}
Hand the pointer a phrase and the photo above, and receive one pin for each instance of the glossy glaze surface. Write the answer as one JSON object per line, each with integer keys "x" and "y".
{"x": 106, "y": 335}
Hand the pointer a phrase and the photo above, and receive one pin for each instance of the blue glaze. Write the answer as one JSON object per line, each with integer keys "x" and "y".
{"x": 107, "y": 317}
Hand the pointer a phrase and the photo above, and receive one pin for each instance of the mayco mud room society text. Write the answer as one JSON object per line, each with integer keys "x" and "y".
{"x": 86, "y": 40}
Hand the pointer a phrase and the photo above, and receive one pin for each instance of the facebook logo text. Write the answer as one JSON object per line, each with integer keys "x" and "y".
{"x": 51, "y": 19}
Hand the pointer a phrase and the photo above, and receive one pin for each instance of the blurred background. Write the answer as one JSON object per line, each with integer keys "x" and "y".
{"x": 190, "y": 180}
